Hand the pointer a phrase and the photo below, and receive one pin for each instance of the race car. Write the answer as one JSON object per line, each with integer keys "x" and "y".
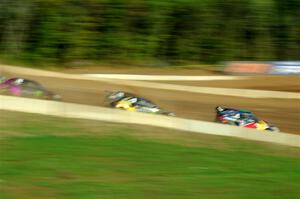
{"x": 242, "y": 118}
{"x": 26, "y": 88}
{"x": 131, "y": 102}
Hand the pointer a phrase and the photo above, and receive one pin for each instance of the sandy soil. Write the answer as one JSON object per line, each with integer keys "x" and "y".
{"x": 289, "y": 83}
{"x": 283, "y": 113}
{"x": 141, "y": 70}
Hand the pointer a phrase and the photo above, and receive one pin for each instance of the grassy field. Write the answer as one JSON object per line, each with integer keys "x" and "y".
{"x": 48, "y": 157}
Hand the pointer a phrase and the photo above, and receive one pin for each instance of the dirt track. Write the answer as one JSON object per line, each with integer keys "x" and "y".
{"x": 283, "y": 113}
{"x": 289, "y": 83}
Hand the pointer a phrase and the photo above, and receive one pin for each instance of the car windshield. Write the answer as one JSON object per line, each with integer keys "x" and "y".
{"x": 117, "y": 95}
{"x": 248, "y": 116}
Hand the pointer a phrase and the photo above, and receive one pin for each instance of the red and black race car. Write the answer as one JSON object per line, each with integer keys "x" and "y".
{"x": 242, "y": 118}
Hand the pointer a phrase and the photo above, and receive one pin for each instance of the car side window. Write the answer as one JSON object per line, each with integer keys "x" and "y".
{"x": 32, "y": 85}
{"x": 145, "y": 103}
{"x": 132, "y": 100}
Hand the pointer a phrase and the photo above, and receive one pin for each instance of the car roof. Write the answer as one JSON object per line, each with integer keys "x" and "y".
{"x": 245, "y": 111}
{"x": 11, "y": 80}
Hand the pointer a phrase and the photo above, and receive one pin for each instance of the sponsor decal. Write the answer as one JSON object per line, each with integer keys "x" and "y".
{"x": 248, "y": 67}
{"x": 285, "y": 68}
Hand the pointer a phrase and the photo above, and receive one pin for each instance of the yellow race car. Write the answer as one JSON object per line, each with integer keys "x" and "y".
{"x": 131, "y": 102}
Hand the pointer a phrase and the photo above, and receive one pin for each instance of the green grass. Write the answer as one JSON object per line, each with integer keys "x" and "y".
{"x": 47, "y": 157}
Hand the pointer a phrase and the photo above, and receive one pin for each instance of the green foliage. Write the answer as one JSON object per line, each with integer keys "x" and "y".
{"x": 176, "y": 31}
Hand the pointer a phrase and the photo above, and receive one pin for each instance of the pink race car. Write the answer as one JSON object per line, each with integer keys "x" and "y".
{"x": 26, "y": 88}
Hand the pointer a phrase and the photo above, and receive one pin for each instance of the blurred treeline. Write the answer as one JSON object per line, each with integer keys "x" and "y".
{"x": 158, "y": 31}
